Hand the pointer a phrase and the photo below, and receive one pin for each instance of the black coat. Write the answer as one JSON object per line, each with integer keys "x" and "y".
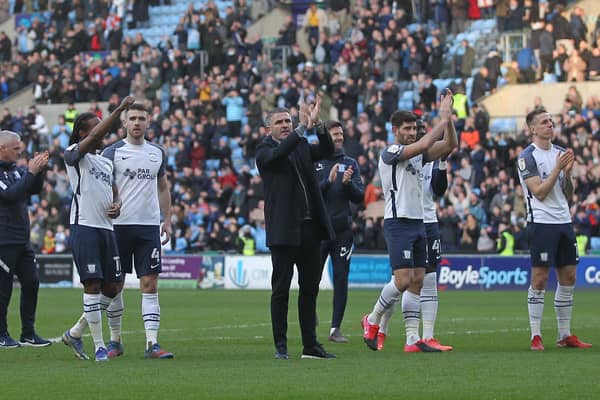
{"x": 284, "y": 198}
{"x": 16, "y": 185}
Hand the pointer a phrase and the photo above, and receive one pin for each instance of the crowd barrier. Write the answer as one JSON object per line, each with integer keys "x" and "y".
{"x": 456, "y": 272}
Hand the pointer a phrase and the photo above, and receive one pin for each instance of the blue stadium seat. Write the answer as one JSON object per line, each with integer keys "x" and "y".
{"x": 595, "y": 243}
{"x": 499, "y": 125}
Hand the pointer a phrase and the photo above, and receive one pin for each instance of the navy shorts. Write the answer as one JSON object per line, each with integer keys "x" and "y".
{"x": 434, "y": 246}
{"x": 406, "y": 242}
{"x": 139, "y": 246}
{"x": 95, "y": 254}
{"x": 552, "y": 245}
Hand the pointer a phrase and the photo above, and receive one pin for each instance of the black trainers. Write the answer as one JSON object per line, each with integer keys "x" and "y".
{"x": 281, "y": 356}
{"x": 6, "y": 342}
{"x": 34, "y": 341}
{"x": 318, "y": 352}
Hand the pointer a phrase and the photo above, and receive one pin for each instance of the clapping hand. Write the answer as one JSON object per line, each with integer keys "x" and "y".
{"x": 446, "y": 104}
{"x": 38, "y": 162}
{"x": 566, "y": 161}
{"x": 315, "y": 110}
{"x": 303, "y": 114}
{"x": 347, "y": 178}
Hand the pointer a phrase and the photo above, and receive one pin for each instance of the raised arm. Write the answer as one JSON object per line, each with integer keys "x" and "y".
{"x": 439, "y": 180}
{"x": 450, "y": 141}
{"x": 91, "y": 141}
{"x": 427, "y": 143}
{"x": 325, "y": 148}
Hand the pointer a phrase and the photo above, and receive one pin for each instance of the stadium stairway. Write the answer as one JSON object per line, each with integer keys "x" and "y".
{"x": 482, "y": 36}
{"x": 164, "y": 19}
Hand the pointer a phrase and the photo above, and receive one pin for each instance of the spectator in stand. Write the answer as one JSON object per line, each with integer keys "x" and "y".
{"x": 287, "y": 32}
{"x": 493, "y": 62}
{"x": 480, "y": 85}
{"x": 315, "y": 19}
{"x": 575, "y": 67}
{"x": 562, "y": 30}
{"x": 458, "y": 10}
{"x": 515, "y": 16}
{"x": 546, "y": 49}
{"x": 578, "y": 25}
{"x": 560, "y": 56}
{"x": 464, "y": 60}
{"x": 594, "y": 65}
{"x": 527, "y": 65}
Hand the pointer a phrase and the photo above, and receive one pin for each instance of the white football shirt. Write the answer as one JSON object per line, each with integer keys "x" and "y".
{"x": 91, "y": 178}
{"x": 136, "y": 172}
{"x": 402, "y": 183}
{"x": 535, "y": 161}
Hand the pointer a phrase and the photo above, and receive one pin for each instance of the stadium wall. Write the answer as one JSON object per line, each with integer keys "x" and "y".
{"x": 514, "y": 101}
{"x": 217, "y": 271}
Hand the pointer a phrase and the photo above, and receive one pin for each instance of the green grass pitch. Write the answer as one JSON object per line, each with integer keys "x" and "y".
{"x": 222, "y": 343}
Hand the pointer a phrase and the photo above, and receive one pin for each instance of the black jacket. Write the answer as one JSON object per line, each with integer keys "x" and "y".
{"x": 336, "y": 194}
{"x": 16, "y": 185}
{"x": 285, "y": 204}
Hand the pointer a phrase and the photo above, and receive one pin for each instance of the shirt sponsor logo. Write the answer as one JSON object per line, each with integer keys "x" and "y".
{"x": 101, "y": 176}
{"x": 140, "y": 173}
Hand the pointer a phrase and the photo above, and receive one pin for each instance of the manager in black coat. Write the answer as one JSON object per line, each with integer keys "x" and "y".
{"x": 296, "y": 220}
{"x": 17, "y": 184}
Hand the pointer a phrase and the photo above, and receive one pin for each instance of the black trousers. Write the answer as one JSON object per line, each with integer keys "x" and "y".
{"x": 307, "y": 259}
{"x": 340, "y": 250}
{"x": 20, "y": 261}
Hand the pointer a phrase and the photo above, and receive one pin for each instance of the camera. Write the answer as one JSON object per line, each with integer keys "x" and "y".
{"x": 341, "y": 168}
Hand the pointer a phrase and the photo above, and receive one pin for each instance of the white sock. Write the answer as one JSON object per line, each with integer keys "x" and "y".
{"x": 429, "y": 304}
{"x": 104, "y": 302}
{"x": 535, "y": 305}
{"x": 77, "y": 330}
{"x": 92, "y": 309}
{"x": 385, "y": 319}
{"x": 389, "y": 295}
{"x": 563, "y": 305}
{"x": 151, "y": 317}
{"x": 114, "y": 314}
{"x": 411, "y": 311}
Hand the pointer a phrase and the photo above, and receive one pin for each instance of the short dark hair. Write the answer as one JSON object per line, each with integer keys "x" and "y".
{"x": 401, "y": 116}
{"x": 79, "y": 125}
{"x": 330, "y": 124}
{"x": 276, "y": 110}
{"x": 532, "y": 114}
{"x": 138, "y": 107}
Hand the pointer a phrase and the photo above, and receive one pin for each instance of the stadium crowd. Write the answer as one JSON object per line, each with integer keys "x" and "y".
{"x": 210, "y": 125}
